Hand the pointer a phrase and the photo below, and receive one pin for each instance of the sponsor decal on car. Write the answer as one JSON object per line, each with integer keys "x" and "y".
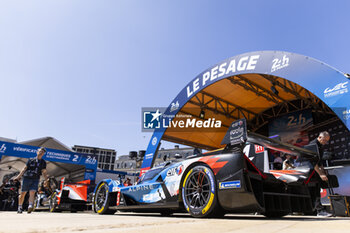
{"x": 179, "y": 169}
{"x": 175, "y": 170}
{"x": 155, "y": 196}
{"x": 258, "y": 149}
{"x": 141, "y": 188}
{"x": 230, "y": 184}
{"x": 171, "y": 171}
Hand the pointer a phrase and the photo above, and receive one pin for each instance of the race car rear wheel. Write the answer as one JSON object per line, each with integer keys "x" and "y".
{"x": 101, "y": 200}
{"x": 199, "y": 192}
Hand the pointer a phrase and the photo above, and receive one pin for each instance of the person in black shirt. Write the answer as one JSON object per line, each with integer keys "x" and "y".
{"x": 31, "y": 175}
{"x": 317, "y": 164}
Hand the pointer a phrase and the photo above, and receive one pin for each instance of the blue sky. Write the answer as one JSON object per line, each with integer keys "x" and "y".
{"x": 81, "y": 71}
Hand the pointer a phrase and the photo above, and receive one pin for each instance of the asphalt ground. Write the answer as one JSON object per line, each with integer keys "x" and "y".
{"x": 154, "y": 223}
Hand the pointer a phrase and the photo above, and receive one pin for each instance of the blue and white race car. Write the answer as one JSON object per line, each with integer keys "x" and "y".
{"x": 228, "y": 180}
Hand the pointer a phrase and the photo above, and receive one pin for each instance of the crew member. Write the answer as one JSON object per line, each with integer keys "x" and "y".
{"x": 31, "y": 175}
{"x": 319, "y": 142}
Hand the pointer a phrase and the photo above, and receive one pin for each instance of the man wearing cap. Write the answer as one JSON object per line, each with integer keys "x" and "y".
{"x": 31, "y": 176}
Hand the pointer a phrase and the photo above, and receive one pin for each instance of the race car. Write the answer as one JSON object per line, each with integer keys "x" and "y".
{"x": 44, "y": 194}
{"x": 229, "y": 180}
{"x": 71, "y": 196}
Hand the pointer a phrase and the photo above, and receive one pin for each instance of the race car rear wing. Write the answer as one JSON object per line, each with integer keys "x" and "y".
{"x": 237, "y": 134}
{"x": 280, "y": 146}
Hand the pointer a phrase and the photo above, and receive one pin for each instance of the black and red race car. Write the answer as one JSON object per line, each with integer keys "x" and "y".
{"x": 228, "y": 180}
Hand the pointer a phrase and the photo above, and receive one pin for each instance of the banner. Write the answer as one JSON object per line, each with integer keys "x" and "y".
{"x": 291, "y": 127}
{"x": 328, "y": 84}
{"x": 26, "y": 151}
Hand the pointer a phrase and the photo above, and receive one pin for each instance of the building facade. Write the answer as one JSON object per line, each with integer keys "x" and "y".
{"x": 106, "y": 157}
{"x": 174, "y": 155}
{"x": 125, "y": 163}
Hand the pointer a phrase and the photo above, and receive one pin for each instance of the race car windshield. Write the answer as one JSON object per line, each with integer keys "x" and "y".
{"x": 151, "y": 174}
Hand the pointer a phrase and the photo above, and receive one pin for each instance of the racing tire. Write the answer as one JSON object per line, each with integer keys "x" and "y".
{"x": 199, "y": 192}
{"x": 102, "y": 199}
{"x": 53, "y": 202}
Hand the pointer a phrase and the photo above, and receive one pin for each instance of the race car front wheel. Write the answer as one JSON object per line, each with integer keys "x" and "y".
{"x": 199, "y": 192}
{"x": 101, "y": 200}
